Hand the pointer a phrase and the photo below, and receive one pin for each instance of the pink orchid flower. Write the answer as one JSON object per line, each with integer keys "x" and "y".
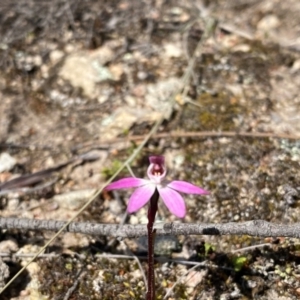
{"x": 168, "y": 191}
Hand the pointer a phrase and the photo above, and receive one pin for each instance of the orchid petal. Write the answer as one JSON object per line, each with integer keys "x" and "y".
{"x": 140, "y": 197}
{"x": 128, "y": 182}
{"x": 173, "y": 201}
{"x": 186, "y": 187}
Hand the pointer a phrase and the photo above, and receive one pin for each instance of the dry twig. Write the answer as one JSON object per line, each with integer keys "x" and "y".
{"x": 259, "y": 228}
{"x": 187, "y": 134}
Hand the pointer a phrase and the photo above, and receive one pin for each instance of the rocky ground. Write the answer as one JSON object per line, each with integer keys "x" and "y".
{"x": 82, "y": 82}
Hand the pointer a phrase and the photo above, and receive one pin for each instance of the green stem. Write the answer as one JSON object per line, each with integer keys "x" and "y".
{"x": 151, "y": 238}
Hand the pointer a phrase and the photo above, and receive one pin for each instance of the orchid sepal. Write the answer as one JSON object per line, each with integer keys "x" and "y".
{"x": 186, "y": 187}
{"x": 140, "y": 197}
{"x": 124, "y": 183}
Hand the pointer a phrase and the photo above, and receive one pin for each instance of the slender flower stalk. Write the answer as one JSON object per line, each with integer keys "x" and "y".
{"x": 149, "y": 191}
{"x": 151, "y": 238}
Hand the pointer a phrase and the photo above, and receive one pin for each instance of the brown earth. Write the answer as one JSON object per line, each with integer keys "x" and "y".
{"x": 76, "y": 76}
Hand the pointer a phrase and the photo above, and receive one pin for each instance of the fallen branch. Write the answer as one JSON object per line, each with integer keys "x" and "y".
{"x": 257, "y": 228}
{"x": 37, "y": 177}
{"x": 106, "y": 144}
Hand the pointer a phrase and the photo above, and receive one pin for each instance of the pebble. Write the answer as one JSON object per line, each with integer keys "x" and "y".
{"x": 8, "y": 246}
{"x": 268, "y": 22}
{"x": 7, "y": 162}
{"x": 73, "y": 200}
{"x": 163, "y": 245}
{"x": 56, "y": 55}
{"x": 13, "y": 204}
{"x": 4, "y": 273}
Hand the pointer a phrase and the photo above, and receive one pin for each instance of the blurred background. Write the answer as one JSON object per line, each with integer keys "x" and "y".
{"x": 83, "y": 82}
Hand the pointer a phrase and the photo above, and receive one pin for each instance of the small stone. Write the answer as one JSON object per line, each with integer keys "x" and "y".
{"x": 133, "y": 220}
{"x": 131, "y": 101}
{"x": 241, "y": 48}
{"x": 139, "y": 90}
{"x": 71, "y": 239}
{"x": 56, "y": 55}
{"x": 117, "y": 71}
{"x": 296, "y": 66}
{"x": 158, "y": 96}
{"x": 13, "y": 204}
{"x": 4, "y": 273}
{"x": 194, "y": 278}
{"x": 73, "y": 200}
{"x": 136, "y": 274}
{"x": 33, "y": 269}
{"x": 24, "y": 293}
{"x": 141, "y": 75}
{"x": 115, "y": 207}
{"x": 123, "y": 118}
{"x": 172, "y": 50}
{"x": 236, "y": 217}
{"x": 37, "y": 60}
{"x": 7, "y": 162}
{"x": 85, "y": 69}
{"x": 163, "y": 245}
{"x": 268, "y": 22}
{"x": 8, "y": 246}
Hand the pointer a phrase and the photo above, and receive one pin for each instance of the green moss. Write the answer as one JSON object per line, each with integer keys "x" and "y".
{"x": 114, "y": 166}
{"x": 209, "y": 248}
{"x": 69, "y": 266}
{"x": 239, "y": 262}
{"x": 217, "y": 112}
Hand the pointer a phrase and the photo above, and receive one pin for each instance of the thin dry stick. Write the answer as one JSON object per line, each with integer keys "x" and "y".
{"x": 251, "y": 247}
{"x": 15, "y": 255}
{"x": 164, "y": 260}
{"x": 192, "y": 134}
{"x": 218, "y": 134}
{"x": 116, "y": 256}
{"x": 65, "y": 226}
{"x": 130, "y": 170}
{"x": 141, "y": 268}
{"x": 75, "y": 284}
{"x": 257, "y": 228}
{"x": 27, "y": 190}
